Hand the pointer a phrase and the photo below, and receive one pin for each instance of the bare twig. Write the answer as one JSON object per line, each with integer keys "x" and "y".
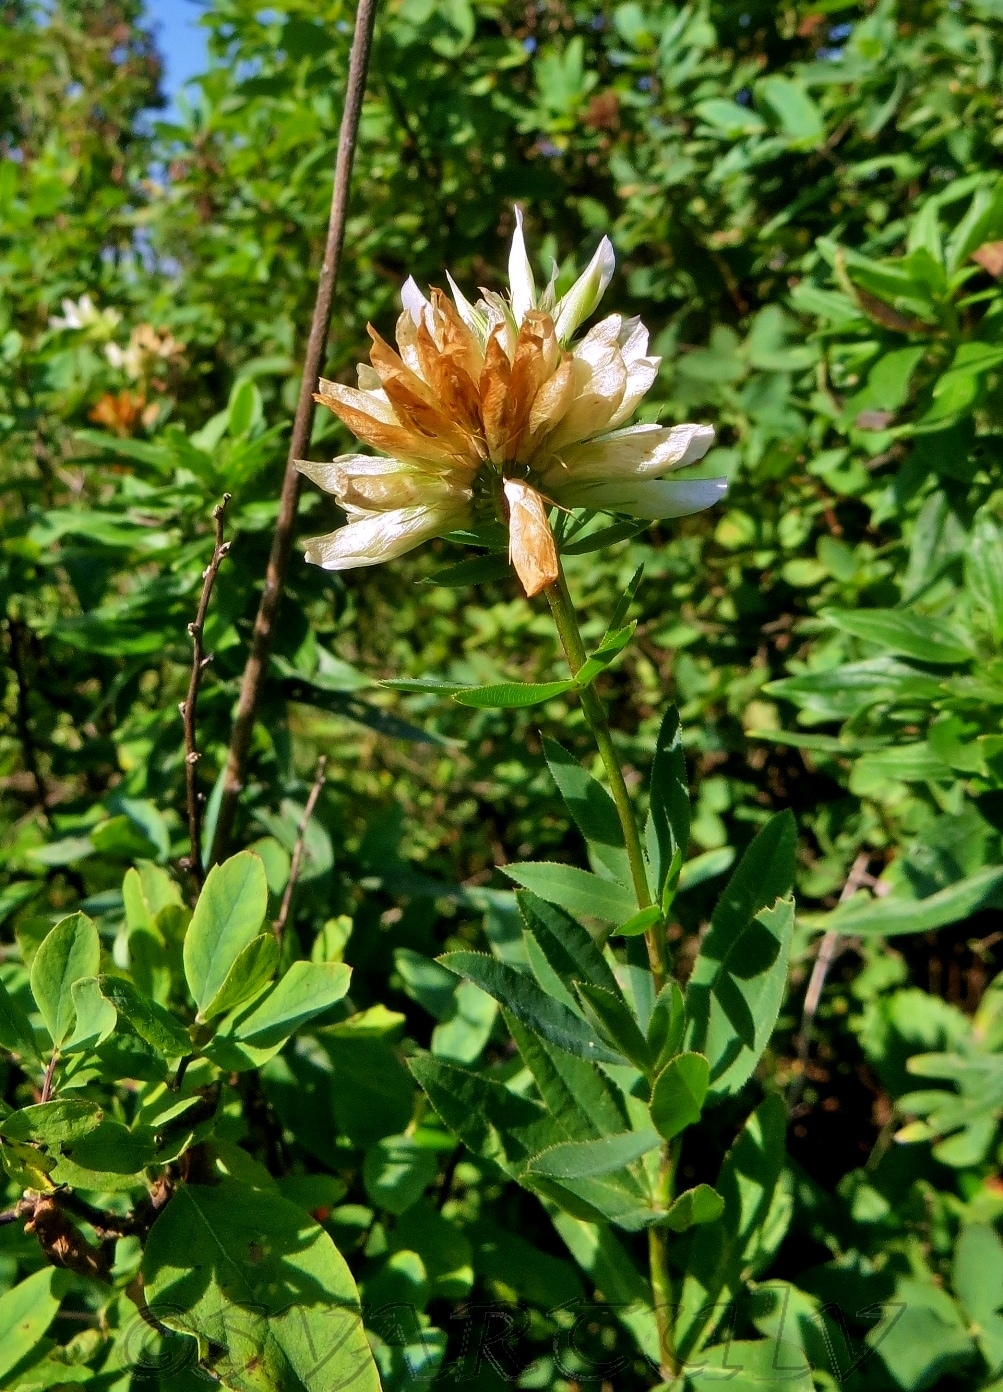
{"x": 50, "y": 1069}
{"x": 278, "y": 561}
{"x": 188, "y": 706}
{"x": 25, "y": 733}
{"x": 279, "y": 926}
{"x": 831, "y": 946}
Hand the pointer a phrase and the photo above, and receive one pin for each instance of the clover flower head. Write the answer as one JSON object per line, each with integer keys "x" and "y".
{"x": 495, "y": 410}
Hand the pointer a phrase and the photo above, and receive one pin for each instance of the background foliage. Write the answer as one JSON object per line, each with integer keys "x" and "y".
{"x": 807, "y": 210}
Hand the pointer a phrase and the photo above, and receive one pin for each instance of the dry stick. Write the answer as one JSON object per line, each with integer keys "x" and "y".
{"x": 282, "y": 541}
{"x": 189, "y": 705}
{"x": 279, "y": 926}
{"x": 831, "y": 946}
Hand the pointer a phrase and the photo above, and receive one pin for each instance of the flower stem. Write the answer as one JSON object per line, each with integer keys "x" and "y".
{"x": 566, "y": 622}
{"x": 574, "y": 650}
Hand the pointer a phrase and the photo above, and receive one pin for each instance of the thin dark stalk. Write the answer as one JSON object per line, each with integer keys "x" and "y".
{"x": 189, "y": 705}
{"x": 50, "y": 1070}
{"x": 282, "y": 541}
{"x": 830, "y": 948}
{"x": 25, "y": 733}
{"x": 279, "y": 926}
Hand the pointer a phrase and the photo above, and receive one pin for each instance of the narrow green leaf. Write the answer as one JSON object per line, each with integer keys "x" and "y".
{"x": 576, "y": 890}
{"x": 667, "y": 1024}
{"x": 306, "y": 990}
{"x": 734, "y": 993}
{"x": 592, "y": 809}
{"x": 577, "y": 1094}
{"x": 733, "y": 1009}
{"x": 724, "y": 1256}
{"x": 511, "y": 695}
{"x": 609, "y": 1013}
{"x": 583, "y": 1159}
{"x": 894, "y": 917}
{"x": 693, "y": 1207}
{"x": 254, "y": 968}
{"x": 605, "y": 536}
{"x": 477, "y": 571}
{"x": 228, "y": 915}
{"x": 668, "y": 827}
{"x": 519, "y": 993}
{"x": 678, "y": 1094}
{"x": 154, "y": 1025}
{"x": 903, "y": 632}
{"x": 70, "y": 951}
{"x": 569, "y": 949}
{"x": 640, "y": 923}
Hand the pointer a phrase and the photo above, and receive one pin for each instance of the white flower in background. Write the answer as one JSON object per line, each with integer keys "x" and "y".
{"x": 84, "y": 314}
{"x": 146, "y": 350}
{"x": 492, "y": 410}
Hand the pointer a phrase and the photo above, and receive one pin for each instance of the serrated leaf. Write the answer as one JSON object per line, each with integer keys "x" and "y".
{"x": 511, "y": 695}
{"x": 578, "y": 891}
{"x": 678, "y": 1094}
{"x": 230, "y": 911}
{"x": 668, "y": 827}
{"x": 608, "y": 1012}
{"x": 694, "y": 1207}
{"x": 724, "y": 1255}
{"x": 70, "y": 951}
{"x": 519, "y": 994}
{"x": 569, "y": 949}
{"x": 592, "y": 809}
{"x": 584, "y": 1159}
{"x": 640, "y": 923}
{"x": 667, "y": 1024}
{"x": 734, "y": 993}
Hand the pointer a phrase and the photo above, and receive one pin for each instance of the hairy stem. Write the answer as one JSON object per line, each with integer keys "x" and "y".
{"x": 282, "y": 541}
{"x": 574, "y": 650}
{"x": 563, "y": 610}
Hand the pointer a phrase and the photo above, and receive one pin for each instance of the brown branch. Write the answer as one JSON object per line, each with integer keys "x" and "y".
{"x": 831, "y": 947}
{"x": 50, "y": 1069}
{"x": 188, "y": 706}
{"x": 23, "y": 717}
{"x": 278, "y": 561}
{"x": 279, "y": 926}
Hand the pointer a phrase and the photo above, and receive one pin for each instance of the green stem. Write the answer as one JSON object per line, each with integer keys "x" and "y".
{"x": 574, "y": 650}
{"x": 566, "y": 621}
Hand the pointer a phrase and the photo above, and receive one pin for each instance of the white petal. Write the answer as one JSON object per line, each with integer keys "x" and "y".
{"x": 380, "y": 537}
{"x": 641, "y": 374}
{"x": 413, "y": 300}
{"x": 520, "y": 274}
{"x": 652, "y": 498}
{"x": 475, "y": 321}
{"x": 583, "y": 297}
{"x": 640, "y": 451}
